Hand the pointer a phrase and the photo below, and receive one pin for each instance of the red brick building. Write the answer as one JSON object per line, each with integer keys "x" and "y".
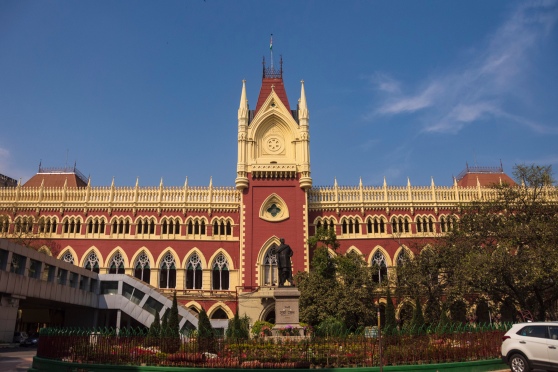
{"x": 215, "y": 246}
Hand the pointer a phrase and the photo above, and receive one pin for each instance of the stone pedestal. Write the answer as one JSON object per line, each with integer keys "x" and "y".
{"x": 286, "y": 310}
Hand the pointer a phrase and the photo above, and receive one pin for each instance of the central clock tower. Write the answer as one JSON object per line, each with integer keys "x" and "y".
{"x": 273, "y": 174}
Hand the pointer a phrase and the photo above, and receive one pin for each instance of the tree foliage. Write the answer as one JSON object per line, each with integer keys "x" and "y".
{"x": 390, "y": 321}
{"x": 154, "y": 329}
{"x": 206, "y": 333}
{"x": 337, "y": 286}
{"x": 239, "y": 328}
{"x": 418, "y": 318}
{"x": 173, "y": 322}
{"x": 504, "y": 248}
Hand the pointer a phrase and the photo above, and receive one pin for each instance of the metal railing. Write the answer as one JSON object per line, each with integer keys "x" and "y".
{"x": 440, "y": 344}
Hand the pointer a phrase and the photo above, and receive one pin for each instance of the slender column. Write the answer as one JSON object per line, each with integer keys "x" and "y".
{"x": 118, "y": 318}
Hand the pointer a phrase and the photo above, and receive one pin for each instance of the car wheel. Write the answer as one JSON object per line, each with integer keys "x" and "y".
{"x": 518, "y": 363}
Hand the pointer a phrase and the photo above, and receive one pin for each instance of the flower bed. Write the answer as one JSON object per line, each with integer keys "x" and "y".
{"x": 398, "y": 348}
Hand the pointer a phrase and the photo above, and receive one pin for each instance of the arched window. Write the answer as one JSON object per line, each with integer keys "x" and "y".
{"x": 194, "y": 272}
{"x": 219, "y": 314}
{"x": 92, "y": 262}
{"x": 170, "y": 226}
{"x": 68, "y": 257}
{"x": 446, "y": 224}
{"x": 141, "y": 269}
{"x": 116, "y": 264}
{"x": 399, "y": 225}
{"x": 221, "y": 273}
{"x": 4, "y": 224}
{"x": 402, "y": 258}
{"x": 379, "y": 267}
{"x": 269, "y": 267}
{"x": 376, "y": 225}
{"x": 167, "y": 274}
{"x": 47, "y": 225}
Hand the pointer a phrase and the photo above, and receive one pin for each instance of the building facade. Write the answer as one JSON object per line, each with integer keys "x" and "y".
{"x": 215, "y": 246}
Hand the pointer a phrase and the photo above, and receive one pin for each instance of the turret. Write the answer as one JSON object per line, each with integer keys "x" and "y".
{"x": 303, "y": 117}
{"x": 243, "y": 113}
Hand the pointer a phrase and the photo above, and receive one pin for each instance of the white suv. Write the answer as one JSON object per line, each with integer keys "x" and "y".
{"x": 531, "y": 345}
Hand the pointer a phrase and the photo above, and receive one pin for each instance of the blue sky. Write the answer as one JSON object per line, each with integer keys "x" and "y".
{"x": 395, "y": 89}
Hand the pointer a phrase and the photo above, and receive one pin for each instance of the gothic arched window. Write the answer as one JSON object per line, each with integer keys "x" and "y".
{"x": 92, "y": 262}
{"x": 402, "y": 258}
{"x": 167, "y": 274}
{"x": 221, "y": 273}
{"x": 269, "y": 267}
{"x": 116, "y": 264}
{"x": 141, "y": 269}
{"x": 194, "y": 272}
{"x": 68, "y": 257}
{"x": 379, "y": 267}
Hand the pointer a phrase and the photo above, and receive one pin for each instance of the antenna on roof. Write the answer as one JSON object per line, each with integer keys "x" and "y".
{"x": 67, "y": 151}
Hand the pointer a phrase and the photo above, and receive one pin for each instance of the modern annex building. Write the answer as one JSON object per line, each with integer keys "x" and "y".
{"x": 215, "y": 246}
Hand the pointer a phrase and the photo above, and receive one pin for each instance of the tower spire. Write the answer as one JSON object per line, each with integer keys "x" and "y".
{"x": 302, "y": 107}
{"x": 243, "y": 107}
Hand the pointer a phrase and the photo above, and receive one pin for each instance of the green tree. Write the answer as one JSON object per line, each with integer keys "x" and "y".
{"x": 154, "y": 332}
{"x": 165, "y": 324}
{"x": 390, "y": 322}
{"x": 319, "y": 289}
{"x": 173, "y": 322}
{"x": 356, "y": 299}
{"x": 339, "y": 287}
{"x": 261, "y": 328}
{"x": 505, "y": 247}
{"x": 239, "y": 328}
{"x": 418, "y": 319}
{"x": 508, "y": 245}
{"x": 170, "y": 328}
{"x": 206, "y": 333}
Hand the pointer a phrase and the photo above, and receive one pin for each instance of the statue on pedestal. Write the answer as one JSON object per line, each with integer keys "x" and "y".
{"x": 284, "y": 254}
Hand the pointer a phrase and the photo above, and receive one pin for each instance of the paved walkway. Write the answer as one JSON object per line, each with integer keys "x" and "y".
{"x": 16, "y": 359}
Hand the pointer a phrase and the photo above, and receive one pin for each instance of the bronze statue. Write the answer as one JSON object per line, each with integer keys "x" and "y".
{"x": 284, "y": 254}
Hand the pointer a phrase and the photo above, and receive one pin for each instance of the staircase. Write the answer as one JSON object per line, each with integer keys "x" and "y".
{"x": 140, "y": 300}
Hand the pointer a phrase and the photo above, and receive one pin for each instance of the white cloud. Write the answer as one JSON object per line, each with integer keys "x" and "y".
{"x": 478, "y": 88}
{"x": 411, "y": 104}
{"x": 385, "y": 83}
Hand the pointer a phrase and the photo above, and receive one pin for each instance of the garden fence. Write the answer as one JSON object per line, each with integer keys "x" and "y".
{"x": 422, "y": 345}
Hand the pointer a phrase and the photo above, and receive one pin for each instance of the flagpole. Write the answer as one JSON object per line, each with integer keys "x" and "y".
{"x": 271, "y": 50}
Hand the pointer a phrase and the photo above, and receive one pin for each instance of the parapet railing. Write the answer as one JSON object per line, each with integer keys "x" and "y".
{"x": 119, "y": 198}
{"x": 369, "y": 197}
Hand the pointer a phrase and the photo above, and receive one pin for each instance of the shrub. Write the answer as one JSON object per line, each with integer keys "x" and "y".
{"x": 261, "y": 328}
